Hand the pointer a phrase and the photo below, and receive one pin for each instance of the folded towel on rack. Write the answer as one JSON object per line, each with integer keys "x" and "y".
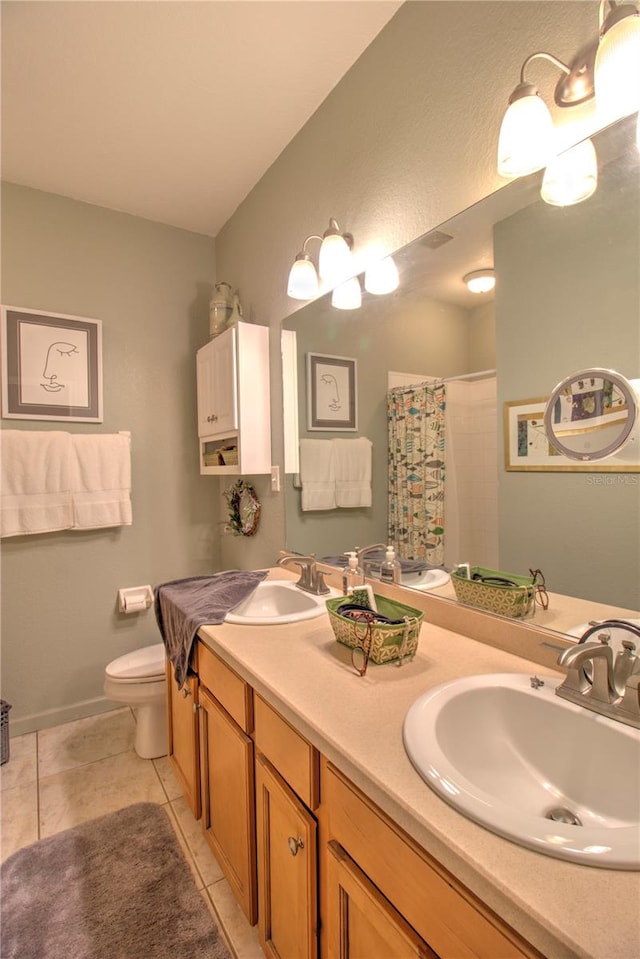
{"x": 36, "y": 482}
{"x": 183, "y": 605}
{"x": 101, "y": 480}
{"x": 317, "y": 474}
{"x": 353, "y": 472}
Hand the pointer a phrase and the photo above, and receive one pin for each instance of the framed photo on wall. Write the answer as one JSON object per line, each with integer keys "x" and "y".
{"x": 527, "y": 447}
{"x": 51, "y": 366}
{"x": 331, "y": 392}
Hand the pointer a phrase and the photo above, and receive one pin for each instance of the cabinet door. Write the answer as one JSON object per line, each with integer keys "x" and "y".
{"x": 217, "y": 386}
{"x": 184, "y": 739}
{"x": 287, "y": 869}
{"x": 228, "y": 803}
{"x": 360, "y": 923}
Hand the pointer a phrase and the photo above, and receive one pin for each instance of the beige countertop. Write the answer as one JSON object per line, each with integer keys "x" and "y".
{"x": 564, "y": 910}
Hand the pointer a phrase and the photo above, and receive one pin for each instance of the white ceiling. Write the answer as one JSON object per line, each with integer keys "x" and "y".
{"x": 168, "y": 109}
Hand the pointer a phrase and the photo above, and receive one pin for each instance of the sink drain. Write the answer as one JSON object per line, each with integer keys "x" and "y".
{"x": 562, "y": 814}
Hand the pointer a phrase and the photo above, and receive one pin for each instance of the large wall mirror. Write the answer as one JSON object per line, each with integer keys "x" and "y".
{"x": 567, "y": 298}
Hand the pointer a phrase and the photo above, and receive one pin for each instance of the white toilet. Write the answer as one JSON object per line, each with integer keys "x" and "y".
{"x": 138, "y": 679}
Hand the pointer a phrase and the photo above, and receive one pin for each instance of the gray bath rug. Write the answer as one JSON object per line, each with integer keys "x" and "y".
{"x": 117, "y": 887}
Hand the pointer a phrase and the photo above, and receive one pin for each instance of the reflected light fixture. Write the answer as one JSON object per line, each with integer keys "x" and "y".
{"x": 335, "y": 263}
{"x": 382, "y": 277}
{"x": 609, "y": 66}
{"x": 572, "y": 176}
{"x": 480, "y": 281}
{"x": 348, "y": 295}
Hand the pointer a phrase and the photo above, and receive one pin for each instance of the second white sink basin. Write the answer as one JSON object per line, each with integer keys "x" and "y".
{"x": 523, "y": 762}
{"x": 276, "y": 602}
{"x": 425, "y": 579}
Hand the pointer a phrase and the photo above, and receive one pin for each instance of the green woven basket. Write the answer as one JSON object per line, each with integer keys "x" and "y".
{"x": 388, "y": 642}
{"x": 515, "y": 601}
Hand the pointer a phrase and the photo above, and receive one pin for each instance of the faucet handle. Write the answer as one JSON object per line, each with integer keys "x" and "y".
{"x": 320, "y": 586}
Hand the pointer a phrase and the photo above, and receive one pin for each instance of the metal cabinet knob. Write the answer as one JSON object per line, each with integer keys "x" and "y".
{"x": 186, "y": 691}
{"x": 212, "y": 417}
{"x": 294, "y": 845}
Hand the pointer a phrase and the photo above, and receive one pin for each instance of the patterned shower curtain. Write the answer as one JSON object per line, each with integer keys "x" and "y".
{"x": 415, "y": 416}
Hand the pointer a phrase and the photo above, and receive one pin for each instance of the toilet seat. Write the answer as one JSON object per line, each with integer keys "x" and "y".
{"x": 146, "y": 665}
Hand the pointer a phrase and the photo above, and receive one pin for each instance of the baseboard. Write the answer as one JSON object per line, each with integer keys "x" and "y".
{"x": 63, "y": 714}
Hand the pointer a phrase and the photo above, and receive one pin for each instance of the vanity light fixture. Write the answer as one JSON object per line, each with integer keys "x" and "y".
{"x": 334, "y": 263}
{"x": 480, "y": 281}
{"x": 382, "y": 277}
{"x": 609, "y": 66}
{"x": 572, "y": 176}
{"x": 348, "y": 295}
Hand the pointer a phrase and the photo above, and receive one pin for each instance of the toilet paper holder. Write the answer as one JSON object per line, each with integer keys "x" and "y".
{"x": 134, "y": 599}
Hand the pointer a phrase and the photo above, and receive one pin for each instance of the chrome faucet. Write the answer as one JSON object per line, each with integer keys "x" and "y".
{"x": 311, "y": 578}
{"x": 364, "y": 551}
{"x": 614, "y": 687}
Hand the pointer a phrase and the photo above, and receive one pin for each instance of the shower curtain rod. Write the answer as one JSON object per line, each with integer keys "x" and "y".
{"x": 481, "y": 375}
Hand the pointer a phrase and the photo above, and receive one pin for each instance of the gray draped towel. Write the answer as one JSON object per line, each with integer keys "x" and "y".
{"x": 183, "y": 605}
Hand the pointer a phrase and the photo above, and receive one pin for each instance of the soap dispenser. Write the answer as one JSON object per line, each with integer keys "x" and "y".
{"x": 353, "y": 576}
{"x": 390, "y": 571}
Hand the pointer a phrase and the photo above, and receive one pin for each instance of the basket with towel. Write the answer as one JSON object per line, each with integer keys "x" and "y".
{"x": 390, "y": 633}
{"x": 505, "y": 593}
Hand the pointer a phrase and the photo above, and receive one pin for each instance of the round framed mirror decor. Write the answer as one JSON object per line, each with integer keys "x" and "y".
{"x": 591, "y": 414}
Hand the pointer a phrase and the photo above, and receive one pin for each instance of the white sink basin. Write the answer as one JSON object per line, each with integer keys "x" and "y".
{"x": 426, "y": 579}
{"x": 506, "y": 755}
{"x": 276, "y": 602}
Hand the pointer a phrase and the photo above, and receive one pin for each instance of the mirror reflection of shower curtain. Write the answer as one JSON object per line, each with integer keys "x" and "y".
{"x": 416, "y": 427}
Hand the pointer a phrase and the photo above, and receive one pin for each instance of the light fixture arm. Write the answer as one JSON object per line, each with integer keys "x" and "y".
{"x": 546, "y": 56}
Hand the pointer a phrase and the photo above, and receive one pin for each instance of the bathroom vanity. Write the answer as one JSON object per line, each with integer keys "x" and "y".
{"x": 329, "y": 837}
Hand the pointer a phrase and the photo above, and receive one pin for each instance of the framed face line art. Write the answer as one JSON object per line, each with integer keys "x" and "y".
{"x": 331, "y": 392}
{"x": 52, "y": 366}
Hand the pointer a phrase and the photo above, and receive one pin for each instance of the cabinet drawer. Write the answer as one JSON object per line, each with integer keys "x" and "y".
{"x": 444, "y": 913}
{"x": 295, "y": 759}
{"x": 227, "y": 687}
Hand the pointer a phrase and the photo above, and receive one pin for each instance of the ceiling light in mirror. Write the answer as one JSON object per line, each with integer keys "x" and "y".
{"x": 382, "y": 277}
{"x": 347, "y": 296}
{"x": 480, "y": 281}
{"x": 572, "y": 176}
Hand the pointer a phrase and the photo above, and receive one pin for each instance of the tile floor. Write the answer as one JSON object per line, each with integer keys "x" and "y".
{"x": 59, "y": 777}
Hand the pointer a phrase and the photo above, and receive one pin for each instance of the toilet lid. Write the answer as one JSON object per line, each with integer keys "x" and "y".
{"x": 140, "y": 664}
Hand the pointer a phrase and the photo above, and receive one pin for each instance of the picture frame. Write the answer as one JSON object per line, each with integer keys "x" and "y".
{"x": 51, "y": 366}
{"x": 331, "y": 393}
{"x": 526, "y": 446}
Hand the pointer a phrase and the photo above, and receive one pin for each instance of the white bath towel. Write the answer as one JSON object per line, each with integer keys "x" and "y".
{"x": 36, "y": 482}
{"x": 101, "y": 480}
{"x": 353, "y": 472}
{"x": 317, "y": 475}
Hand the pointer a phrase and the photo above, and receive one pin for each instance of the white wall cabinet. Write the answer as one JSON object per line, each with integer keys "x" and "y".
{"x": 234, "y": 424}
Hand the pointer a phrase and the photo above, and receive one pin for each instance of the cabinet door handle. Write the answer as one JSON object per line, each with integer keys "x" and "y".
{"x": 212, "y": 418}
{"x": 294, "y": 845}
{"x": 185, "y": 692}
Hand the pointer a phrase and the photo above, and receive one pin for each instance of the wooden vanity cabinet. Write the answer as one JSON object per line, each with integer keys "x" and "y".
{"x": 361, "y": 922}
{"x": 367, "y": 859}
{"x": 183, "y": 737}
{"x": 287, "y": 781}
{"x": 227, "y": 775}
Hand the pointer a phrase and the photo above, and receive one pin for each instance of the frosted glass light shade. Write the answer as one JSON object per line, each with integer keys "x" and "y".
{"x": 526, "y": 137}
{"x": 480, "y": 281}
{"x": 382, "y": 277}
{"x": 617, "y": 69}
{"x": 347, "y": 296}
{"x": 334, "y": 262}
{"x": 303, "y": 280}
{"x": 572, "y": 176}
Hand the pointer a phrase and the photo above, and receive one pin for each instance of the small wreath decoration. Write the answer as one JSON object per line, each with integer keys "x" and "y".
{"x": 244, "y": 509}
